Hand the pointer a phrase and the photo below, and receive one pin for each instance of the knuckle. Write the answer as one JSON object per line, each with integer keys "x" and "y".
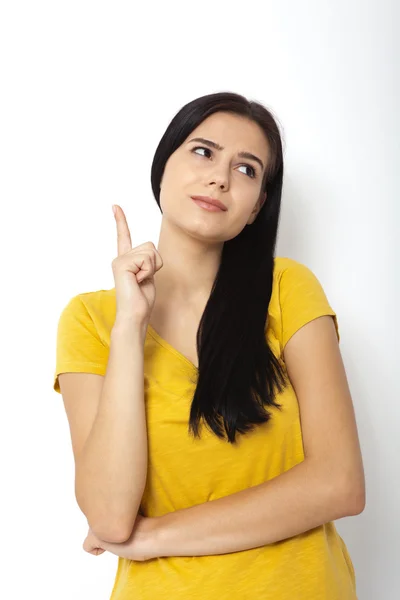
{"x": 150, "y": 245}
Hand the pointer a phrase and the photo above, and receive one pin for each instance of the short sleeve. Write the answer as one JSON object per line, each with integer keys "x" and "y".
{"x": 79, "y": 348}
{"x": 302, "y": 299}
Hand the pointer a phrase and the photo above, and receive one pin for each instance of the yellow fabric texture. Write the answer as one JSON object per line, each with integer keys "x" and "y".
{"x": 183, "y": 471}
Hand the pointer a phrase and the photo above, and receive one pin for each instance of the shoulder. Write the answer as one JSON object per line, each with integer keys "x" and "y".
{"x": 293, "y": 279}
{"x": 83, "y": 334}
{"x": 92, "y": 301}
{"x": 286, "y": 268}
{"x": 298, "y": 297}
{"x": 91, "y": 308}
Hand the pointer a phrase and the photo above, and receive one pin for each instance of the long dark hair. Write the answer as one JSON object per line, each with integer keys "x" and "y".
{"x": 238, "y": 373}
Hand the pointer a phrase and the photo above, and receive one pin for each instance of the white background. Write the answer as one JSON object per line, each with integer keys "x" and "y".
{"x": 87, "y": 90}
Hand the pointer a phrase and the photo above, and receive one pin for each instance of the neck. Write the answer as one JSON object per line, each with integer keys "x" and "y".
{"x": 189, "y": 266}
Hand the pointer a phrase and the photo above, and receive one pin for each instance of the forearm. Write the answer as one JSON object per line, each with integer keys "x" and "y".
{"x": 111, "y": 471}
{"x": 290, "y": 504}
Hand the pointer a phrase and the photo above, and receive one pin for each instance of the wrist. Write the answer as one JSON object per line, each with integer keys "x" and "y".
{"x": 162, "y": 533}
{"x": 128, "y": 328}
{"x": 153, "y": 537}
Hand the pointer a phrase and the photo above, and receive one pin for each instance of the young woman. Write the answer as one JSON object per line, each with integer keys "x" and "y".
{"x": 212, "y": 426}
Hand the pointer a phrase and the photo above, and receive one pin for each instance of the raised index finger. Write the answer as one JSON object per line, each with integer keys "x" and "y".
{"x": 123, "y": 235}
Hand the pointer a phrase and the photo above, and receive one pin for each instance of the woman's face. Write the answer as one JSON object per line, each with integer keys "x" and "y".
{"x": 197, "y": 169}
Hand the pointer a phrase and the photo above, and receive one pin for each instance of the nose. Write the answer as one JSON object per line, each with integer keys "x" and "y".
{"x": 220, "y": 180}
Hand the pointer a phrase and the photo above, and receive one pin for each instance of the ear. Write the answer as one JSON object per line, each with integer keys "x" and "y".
{"x": 257, "y": 208}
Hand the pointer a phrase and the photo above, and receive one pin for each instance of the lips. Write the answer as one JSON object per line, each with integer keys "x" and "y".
{"x": 212, "y": 201}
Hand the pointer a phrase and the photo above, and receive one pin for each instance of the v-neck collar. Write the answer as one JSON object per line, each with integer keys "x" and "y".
{"x": 157, "y": 337}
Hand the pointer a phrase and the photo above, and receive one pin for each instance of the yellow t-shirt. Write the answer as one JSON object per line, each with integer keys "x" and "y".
{"x": 183, "y": 471}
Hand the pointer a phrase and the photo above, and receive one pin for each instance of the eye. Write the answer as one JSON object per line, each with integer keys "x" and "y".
{"x": 201, "y": 148}
{"x": 252, "y": 169}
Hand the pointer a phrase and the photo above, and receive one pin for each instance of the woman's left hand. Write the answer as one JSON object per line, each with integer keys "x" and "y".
{"x": 140, "y": 546}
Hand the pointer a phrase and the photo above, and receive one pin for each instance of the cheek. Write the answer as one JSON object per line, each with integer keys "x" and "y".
{"x": 179, "y": 175}
{"x": 187, "y": 174}
{"x": 240, "y": 214}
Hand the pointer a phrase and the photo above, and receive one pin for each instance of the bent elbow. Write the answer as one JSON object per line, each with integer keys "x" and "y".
{"x": 359, "y": 502}
{"x": 110, "y": 532}
{"x": 107, "y": 527}
{"x": 354, "y": 499}
{"x": 110, "y": 536}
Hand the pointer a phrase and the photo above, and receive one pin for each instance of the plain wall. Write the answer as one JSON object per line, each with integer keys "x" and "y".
{"x": 88, "y": 89}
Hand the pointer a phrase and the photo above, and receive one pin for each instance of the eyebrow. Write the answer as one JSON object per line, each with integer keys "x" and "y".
{"x": 247, "y": 155}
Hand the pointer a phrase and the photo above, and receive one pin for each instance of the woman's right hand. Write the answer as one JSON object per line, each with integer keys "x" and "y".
{"x": 133, "y": 271}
